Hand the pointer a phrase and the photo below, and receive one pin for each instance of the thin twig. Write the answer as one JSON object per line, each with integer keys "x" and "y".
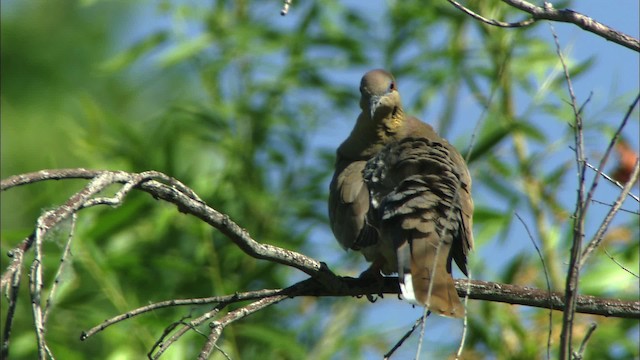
{"x": 546, "y": 276}
{"x": 228, "y": 299}
{"x": 66, "y": 254}
{"x": 610, "y": 179}
{"x": 11, "y": 285}
{"x": 465, "y": 322}
{"x": 467, "y": 158}
{"x": 403, "y": 338}
{"x": 35, "y": 289}
{"x": 634, "y": 212}
{"x": 219, "y": 325}
{"x": 162, "y": 346}
{"x": 583, "y": 345}
{"x": 573, "y": 273}
{"x": 605, "y": 157}
{"x": 599, "y": 236}
{"x": 81, "y": 173}
{"x": 223, "y": 352}
{"x": 492, "y": 22}
{"x": 619, "y": 264}
{"x": 165, "y": 333}
{"x": 423, "y": 327}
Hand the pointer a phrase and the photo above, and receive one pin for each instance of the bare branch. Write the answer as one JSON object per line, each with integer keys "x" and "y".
{"x": 579, "y": 216}
{"x": 569, "y": 16}
{"x": 513, "y": 294}
{"x": 11, "y": 284}
{"x": 218, "y": 326}
{"x": 228, "y": 299}
{"x": 163, "y": 346}
{"x": 80, "y": 173}
{"x": 548, "y": 12}
{"x": 35, "y": 290}
{"x": 186, "y": 201}
{"x": 359, "y": 287}
{"x": 46, "y": 223}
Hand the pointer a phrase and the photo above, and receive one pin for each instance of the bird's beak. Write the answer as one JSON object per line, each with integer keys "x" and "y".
{"x": 374, "y": 102}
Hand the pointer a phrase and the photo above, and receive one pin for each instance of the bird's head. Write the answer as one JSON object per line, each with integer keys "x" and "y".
{"x": 379, "y": 94}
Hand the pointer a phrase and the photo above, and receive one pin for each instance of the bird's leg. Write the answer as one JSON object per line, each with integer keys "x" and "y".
{"x": 374, "y": 274}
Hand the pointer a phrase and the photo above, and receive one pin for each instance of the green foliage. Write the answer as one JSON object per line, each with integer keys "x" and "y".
{"x": 229, "y": 98}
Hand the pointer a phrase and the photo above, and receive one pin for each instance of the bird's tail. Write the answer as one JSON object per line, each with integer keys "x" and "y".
{"x": 413, "y": 185}
{"x": 424, "y": 278}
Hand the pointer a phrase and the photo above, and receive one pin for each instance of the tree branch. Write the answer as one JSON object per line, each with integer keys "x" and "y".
{"x": 579, "y": 217}
{"x": 548, "y": 12}
{"x": 187, "y": 203}
{"x": 491, "y": 22}
{"x": 572, "y": 17}
{"x": 325, "y": 282}
{"x": 361, "y": 287}
{"x": 321, "y": 283}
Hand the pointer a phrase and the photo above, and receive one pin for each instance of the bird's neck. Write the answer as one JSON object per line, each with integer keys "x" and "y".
{"x": 388, "y": 125}
{"x": 369, "y": 136}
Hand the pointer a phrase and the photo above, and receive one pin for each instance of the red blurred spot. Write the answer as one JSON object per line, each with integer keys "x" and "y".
{"x": 627, "y": 160}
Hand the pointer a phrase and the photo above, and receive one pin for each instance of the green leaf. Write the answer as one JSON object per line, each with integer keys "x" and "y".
{"x": 135, "y": 52}
{"x": 489, "y": 141}
{"x": 185, "y": 50}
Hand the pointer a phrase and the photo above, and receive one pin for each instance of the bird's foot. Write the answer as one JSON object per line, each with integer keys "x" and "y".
{"x": 373, "y": 276}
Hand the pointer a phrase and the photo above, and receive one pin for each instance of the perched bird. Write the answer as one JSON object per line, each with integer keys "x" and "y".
{"x": 401, "y": 195}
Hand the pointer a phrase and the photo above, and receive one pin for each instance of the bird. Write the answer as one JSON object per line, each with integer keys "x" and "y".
{"x": 401, "y": 195}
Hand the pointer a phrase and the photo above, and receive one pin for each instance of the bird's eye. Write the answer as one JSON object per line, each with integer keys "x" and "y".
{"x": 392, "y": 86}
